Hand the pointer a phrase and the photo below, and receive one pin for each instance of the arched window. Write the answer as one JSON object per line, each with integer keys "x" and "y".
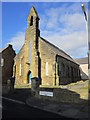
{"x": 20, "y": 69}
{"x": 59, "y": 68}
{"x": 72, "y": 77}
{"x": 30, "y": 52}
{"x": 67, "y": 71}
{"x": 46, "y": 68}
{"x": 31, "y": 21}
{"x": 63, "y": 69}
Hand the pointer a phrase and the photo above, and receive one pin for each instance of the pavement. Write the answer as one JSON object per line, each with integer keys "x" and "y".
{"x": 75, "y": 111}
{"x": 14, "y": 106}
{"x": 14, "y": 109}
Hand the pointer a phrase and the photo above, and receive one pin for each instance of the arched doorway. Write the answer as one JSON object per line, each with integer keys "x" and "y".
{"x": 29, "y": 76}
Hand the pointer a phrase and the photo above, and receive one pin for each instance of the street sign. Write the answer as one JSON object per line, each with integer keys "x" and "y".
{"x": 45, "y": 93}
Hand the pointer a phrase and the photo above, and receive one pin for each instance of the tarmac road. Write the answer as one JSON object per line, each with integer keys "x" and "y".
{"x": 13, "y": 109}
{"x": 14, "y": 106}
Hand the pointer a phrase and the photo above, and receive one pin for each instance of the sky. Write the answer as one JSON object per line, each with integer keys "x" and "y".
{"x": 89, "y": 24}
{"x": 61, "y": 23}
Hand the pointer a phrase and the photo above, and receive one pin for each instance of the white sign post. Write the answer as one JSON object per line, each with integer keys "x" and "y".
{"x": 45, "y": 93}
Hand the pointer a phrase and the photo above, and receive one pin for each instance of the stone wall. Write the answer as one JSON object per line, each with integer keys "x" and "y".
{"x": 19, "y": 59}
{"x": 42, "y": 55}
{"x": 31, "y": 36}
{"x": 68, "y": 71}
{"x": 46, "y": 55}
{"x": 60, "y": 95}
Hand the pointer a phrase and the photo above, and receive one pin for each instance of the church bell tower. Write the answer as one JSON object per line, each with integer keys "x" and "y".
{"x": 31, "y": 36}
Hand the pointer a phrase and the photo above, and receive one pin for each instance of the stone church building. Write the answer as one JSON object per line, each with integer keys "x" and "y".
{"x": 41, "y": 59}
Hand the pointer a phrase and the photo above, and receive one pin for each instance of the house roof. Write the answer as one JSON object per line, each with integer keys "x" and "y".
{"x": 58, "y": 51}
{"x": 82, "y": 60}
{"x": 2, "y": 49}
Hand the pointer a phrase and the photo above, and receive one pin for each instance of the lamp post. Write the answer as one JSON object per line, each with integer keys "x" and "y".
{"x": 83, "y": 9}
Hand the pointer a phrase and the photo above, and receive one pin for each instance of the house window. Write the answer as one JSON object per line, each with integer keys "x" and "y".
{"x": 2, "y": 62}
{"x": 31, "y": 21}
{"x": 46, "y": 68}
{"x": 67, "y": 70}
{"x": 20, "y": 70}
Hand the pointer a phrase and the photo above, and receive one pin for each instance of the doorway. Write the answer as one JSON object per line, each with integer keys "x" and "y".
{"x": 29, "y": 76}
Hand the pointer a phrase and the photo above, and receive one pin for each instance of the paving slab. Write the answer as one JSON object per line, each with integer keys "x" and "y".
{"x": 68, "y": 110}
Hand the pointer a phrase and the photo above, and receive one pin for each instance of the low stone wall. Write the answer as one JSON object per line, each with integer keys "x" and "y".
{"x": 9, "y": 87}
{"x": 61, "y": 95}
{"x": 55, "y": 94}
{"x": 4, "y": 89}
{"x": 65, "y": 95}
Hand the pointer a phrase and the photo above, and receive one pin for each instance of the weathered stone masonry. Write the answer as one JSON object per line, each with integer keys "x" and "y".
{"x": 45, "y": 61}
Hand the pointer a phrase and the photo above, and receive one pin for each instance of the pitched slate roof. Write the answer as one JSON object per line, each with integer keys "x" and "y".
{"x": 82, "y": 60}
{"x": 58, "y": 51}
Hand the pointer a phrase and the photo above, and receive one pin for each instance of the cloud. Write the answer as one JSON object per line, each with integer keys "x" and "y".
{"x": 66, "y": 28}
{"x": 63, "y": 26}
{"x": 17, "y": 41}
{"x": 74, "y": 21}
{"x": 75, "y": 44}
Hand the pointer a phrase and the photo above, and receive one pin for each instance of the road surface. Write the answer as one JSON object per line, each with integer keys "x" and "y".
{"x": 14, "y": 106}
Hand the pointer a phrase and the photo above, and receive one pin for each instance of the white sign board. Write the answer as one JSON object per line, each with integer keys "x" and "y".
{"x": 45, "y": 93}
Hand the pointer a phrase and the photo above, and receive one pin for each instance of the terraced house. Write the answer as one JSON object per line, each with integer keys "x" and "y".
{"x": 6, "y": 63}
{"x": 43, "y": 60}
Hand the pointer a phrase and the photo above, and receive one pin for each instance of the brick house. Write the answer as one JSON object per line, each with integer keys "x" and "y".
{"x": 6, "y": 63}
{"x": 39, "y": 58}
